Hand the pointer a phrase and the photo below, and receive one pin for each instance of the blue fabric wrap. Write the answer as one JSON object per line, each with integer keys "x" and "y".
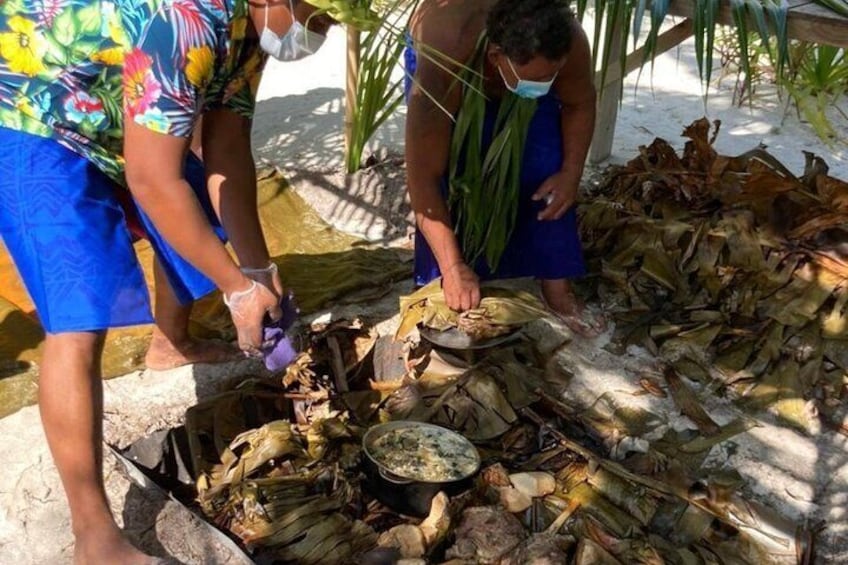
{"x": 64, "y": 226}
{"x": 540, "y": 249}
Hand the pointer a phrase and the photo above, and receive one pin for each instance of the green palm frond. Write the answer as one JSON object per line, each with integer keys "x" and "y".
{"x": 379, "y": 53}
{"x": 357, "y": 13}
{"x": 818, "y": 77}
{"x": 377, "y": 93}
{"x": 705, "y": 24}
{"x": 838, "y": 6}
{"x": 624, "y": 20}
{"x": 484, "y": 186}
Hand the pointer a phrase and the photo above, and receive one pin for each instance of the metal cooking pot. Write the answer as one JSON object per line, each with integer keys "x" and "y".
{"x": 460, "y": 344}
{"x": 406, "y": 493}
{"x": 456, "y": 339}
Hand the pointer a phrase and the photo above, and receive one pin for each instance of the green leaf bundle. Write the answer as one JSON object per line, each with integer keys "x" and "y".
{"x": 484, "y": 189}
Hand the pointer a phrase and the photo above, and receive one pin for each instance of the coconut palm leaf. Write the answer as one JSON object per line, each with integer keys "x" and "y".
{"x": 659, "y": 10}
{"x": 705, "y": 23}
{"x": 377, "y": 93}
{"x": 838, "y": 6}
{"x": 624, "y": 20}
{"x": 448, "y": 64}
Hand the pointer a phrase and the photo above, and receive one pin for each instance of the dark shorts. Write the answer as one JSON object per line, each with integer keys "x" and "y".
{"x": 65, "y": 224}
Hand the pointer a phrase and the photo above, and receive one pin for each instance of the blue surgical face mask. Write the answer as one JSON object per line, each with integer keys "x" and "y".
{"x": 527, "y": 88}
{"x": 296, "y": 44}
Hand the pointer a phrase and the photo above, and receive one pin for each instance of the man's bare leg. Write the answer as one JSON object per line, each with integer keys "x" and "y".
{"x": 171, "y": 345}
{"x": 559, "y": 297}
{"x": 70, "y": 398}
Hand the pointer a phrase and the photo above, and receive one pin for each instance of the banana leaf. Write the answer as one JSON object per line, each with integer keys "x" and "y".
{"x": 474, "y": 406}
{"x": 252, "y": 449}
{"x": 634, "y": 499}
{"x": 804, "y": 297}
{"x": 590, "y": 553}
{"x": 596, "y": 505}
{"x": 781, "y": 390}
{"x": 499, "y": 308}
{"x": 688, "y": 404}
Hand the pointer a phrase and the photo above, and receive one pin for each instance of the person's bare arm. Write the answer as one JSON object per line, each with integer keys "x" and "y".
{"x": 428, "y": 132}
{"x": 576, "y": 91}
{"x": 154, "y": 165}
{"x": 231, "y": 179}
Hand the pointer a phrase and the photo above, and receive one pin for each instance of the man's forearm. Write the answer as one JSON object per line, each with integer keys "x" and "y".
{"x": 578, "y": 125}
{"x": 231, "y": 181}
{"x": 433, "y": 219}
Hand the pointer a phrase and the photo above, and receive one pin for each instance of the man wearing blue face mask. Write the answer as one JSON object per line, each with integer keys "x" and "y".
{"x": 530, "y": 49}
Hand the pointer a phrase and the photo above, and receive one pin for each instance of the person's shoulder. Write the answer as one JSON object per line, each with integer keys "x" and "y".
{"x": 446, "y": 26}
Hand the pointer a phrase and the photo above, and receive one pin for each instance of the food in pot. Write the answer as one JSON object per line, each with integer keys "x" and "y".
{"x": 425, "y": 453}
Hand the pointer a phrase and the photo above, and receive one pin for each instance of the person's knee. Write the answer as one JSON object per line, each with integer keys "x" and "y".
{"x": 67, "y": 347}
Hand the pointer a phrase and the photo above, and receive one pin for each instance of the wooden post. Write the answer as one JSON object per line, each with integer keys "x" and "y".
{"x": 608, "y": 104}
{"x": 353, "y": 45}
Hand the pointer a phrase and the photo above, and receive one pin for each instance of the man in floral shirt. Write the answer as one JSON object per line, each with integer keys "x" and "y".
{"x": 100, "y": 96}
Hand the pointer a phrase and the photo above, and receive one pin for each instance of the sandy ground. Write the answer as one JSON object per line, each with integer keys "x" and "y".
{"x": 298, "y": 128}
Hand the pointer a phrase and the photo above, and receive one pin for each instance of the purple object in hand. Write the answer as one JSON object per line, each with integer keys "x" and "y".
{"x": 277, "y": 348}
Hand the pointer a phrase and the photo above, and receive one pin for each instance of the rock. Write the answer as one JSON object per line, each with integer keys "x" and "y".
{"x": 415, "y": 561}
{"x": 437, "y": 524}
{"x": 496, "y": 475}
{"x": 408, "y": 539}
{"x": 541, "y": 549}
{"x": 485, "y": 534}
{"x": 534, "y": 484}
{"x": 514, "y": 500}
{"x": 380, "y": 556}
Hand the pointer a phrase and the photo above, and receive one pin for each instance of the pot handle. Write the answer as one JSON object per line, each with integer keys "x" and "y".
{"x": 392, "y": 478}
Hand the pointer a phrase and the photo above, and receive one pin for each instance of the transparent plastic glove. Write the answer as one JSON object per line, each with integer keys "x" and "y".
{"x": 248, "y": 309}
{"x": 269, "y": 276}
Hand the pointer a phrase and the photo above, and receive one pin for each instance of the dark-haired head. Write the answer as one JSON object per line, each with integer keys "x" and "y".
{"x": 525, "y": 29}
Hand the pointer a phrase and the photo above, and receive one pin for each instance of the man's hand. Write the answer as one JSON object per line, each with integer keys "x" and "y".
{"x": 559, "y": 192}
{"x": 461, "y": 287}
{"x": 248, "y": 309}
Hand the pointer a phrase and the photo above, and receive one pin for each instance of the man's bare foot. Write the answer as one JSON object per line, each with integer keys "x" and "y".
{"x": 109, "y": 547}
{"x": 163, "y": 354}
{"x": 560, "y": 299}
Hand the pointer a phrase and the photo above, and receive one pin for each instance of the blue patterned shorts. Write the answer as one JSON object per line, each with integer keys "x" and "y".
{"x": 63, "y": 223}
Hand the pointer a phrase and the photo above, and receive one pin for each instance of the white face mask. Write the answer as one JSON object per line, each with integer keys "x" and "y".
{"x": 296, "y": 44}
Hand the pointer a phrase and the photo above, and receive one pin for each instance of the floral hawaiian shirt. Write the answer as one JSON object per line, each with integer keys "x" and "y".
{"x": 68, "y": 68}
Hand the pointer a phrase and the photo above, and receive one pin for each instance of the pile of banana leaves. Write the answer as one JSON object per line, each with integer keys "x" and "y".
{"x": 550, "y": 491}
{"x": 732, "y": 270}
